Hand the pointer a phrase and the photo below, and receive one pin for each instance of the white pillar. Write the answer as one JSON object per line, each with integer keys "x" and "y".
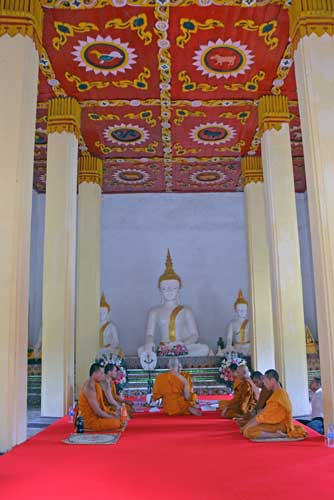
{"x": 88, "y": 266}
{"x": 263, "y": 351}
{"x": 18, "y": 97}
{"x": 286, "y": 280}
{"x": 312, "y": 32}
{"x": 59, "y": 257}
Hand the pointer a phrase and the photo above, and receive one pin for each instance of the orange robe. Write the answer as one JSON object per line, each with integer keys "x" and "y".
{"x": 276, "y": 416}
{"x": 225, "y": 402}
{"x": 193, "y": 395}
{"x": 118, "y": 399}
{"x": 265, "y": 394}
{"x": 170, "y": 388}
{"x": 243, "y": 401}
{"x": 91, "y": 421}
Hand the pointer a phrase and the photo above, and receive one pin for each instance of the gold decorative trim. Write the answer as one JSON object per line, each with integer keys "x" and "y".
{"x": 90, "y": 169}
{"x": 22, "y": 17}
{"x": 310, "y": 16}
{"x": 273, "y": 111}
{"x": 64, "y": 116}
{"x": 251, "y": 169}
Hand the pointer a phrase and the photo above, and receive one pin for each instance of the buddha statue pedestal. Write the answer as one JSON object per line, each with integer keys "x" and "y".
{"x": 175, "y": 322}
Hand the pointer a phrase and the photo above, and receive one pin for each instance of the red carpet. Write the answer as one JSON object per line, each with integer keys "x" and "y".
{"x": 162, "y": 458}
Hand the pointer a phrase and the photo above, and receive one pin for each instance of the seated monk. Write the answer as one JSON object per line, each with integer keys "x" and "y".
{"x": 243, "y": 401}
{"x": 96, "y": 415}
{"x": 173, "y": 389}
{"x": 233, "y": 374}
{"x": 275, "y": 420}
{"x": 110, "y": 373}
{"x": 261, "y": 393}
{"x": 117, "y": 397}
{"x": 264, "y": 393}
{"x": 187, "y": 376}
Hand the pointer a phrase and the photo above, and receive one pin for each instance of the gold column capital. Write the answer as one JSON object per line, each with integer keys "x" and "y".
{"x": 251, "y": 169}
{"x": 64, "y": 115}
{"x": 310, "y": 16}
{"x": 22, "y": 17}
{"x": 272, "y": 112}
{"x": 90, "y": 169}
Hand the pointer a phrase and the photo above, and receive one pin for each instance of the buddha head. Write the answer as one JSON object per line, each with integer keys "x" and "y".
{"x": 241, "y": 306}
{"x": 104, "y": 309}
{"x": 169, "y": 282}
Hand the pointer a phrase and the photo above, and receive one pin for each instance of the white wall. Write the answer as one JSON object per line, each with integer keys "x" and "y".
{"x": 36, "y": 267}
{"x": 207, "y": 237}
{"x": 306, "y": 263}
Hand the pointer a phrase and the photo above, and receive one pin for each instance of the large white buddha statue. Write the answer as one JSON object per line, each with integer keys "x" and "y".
{"x": 108, "y": 336}
{"x": 238, "y": 335}
{"x": 175, "y": 322}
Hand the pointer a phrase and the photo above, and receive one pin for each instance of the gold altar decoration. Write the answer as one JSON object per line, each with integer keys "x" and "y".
{"x": 311, "y": 346}
{"x": 169, "y": 273}
{"x": 251, "y": 168}
{"x": 90, "y": 169}
{"x": 310, "y": 16}
{"x": 22, "y": 17}
{"x": 64, "y": 116}
{"x": 273, "y": 111}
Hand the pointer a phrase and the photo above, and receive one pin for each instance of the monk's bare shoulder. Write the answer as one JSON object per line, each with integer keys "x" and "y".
{"x": 89, "y": 388}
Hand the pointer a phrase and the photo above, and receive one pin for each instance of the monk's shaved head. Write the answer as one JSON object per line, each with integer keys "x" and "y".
{"x": 272, "y": 374}
{"x": 233, "y": 367}
{"x": 95, "y": 368}
{"x": 173, "y": 364}
{"x": 256, "y": 375}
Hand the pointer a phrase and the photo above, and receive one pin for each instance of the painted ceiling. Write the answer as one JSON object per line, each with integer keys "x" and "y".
{"x": 168, "y": 91}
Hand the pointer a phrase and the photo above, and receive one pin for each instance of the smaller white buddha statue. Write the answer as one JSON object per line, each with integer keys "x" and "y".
{"x": 175, "y": 322}
{"x": 238, "y": 335}
{"x": 109, "y": 342}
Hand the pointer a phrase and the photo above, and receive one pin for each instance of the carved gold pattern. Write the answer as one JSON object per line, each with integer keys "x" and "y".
{"x": 66, "y": 30}
{"x": 90, "y": 169}
{"x": 189, "y": 86}
{"x": 24, "y": 17}
{"x": 136, "y": 23}
{"x": 64, "y": 115}
{"x": 83, "y": 86}
{"x": 265, "y": 30}
{"x": 251, "y": 168}
{"x": 273, "y": 111}
{"x": 310, "y": 16}
{"x": 191, "y": 26}
{"x": 251, "y": 86}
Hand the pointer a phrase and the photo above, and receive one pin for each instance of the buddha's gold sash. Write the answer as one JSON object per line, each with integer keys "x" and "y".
{"x": 172, "y": 319}
{"x": 102, "y": 330}
{"x": 243, "y": 332}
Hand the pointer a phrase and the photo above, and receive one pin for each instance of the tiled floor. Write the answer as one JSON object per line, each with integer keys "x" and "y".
{"x": 36, "y": 423}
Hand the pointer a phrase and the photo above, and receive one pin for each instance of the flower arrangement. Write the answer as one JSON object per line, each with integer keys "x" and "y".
{"x": 174, "y": 350}
{"x": 118, "y": 360}
{"x": 224, "y": 372}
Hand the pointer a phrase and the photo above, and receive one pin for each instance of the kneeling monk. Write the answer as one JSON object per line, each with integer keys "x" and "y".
{"x": 173, "y": 388}
{"x": 275, "y": 420}
{"x": 96, "y": 415}
{"x": 244, "y": 400}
